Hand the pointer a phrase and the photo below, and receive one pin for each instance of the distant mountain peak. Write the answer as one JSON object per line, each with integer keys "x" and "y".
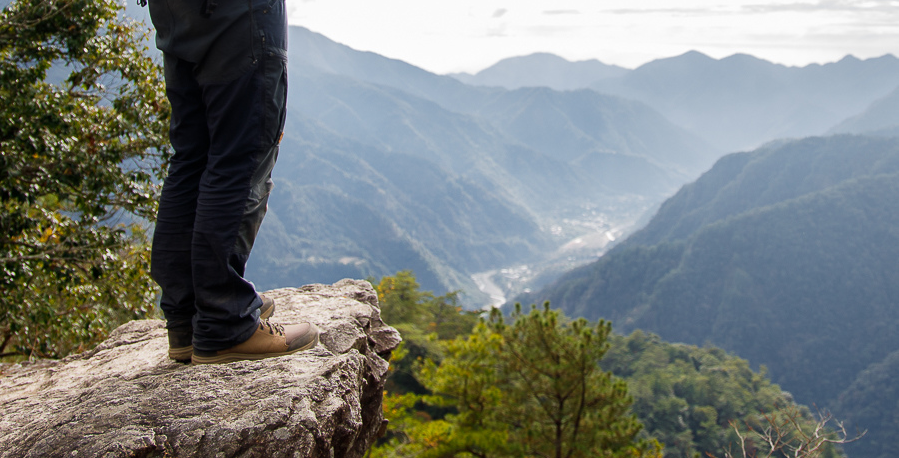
{"x": 542, "y": 69}
{"x": 741, "y": 101}
{"x": 694, "y": 54}
{"x": 743, "y": 57}
{"x": 543, "y": 56}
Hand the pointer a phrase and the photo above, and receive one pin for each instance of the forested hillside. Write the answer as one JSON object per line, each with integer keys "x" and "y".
{"x": 788, "y": 256}
{"x": 460, "y": 389}
{"x": 778, "y": 172}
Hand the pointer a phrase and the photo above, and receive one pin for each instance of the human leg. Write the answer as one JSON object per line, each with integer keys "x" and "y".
{"x": 245, "y": 118}
{"x": 172, "y": 237}
{"x": 228, "y": 99}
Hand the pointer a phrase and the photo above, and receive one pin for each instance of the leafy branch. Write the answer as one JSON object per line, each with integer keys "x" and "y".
{"x": 83, "y": 144}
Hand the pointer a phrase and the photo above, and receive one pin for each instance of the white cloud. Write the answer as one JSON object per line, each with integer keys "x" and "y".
{"x": 468, "y": 35}
{"x": 826, "y": 5}
{"x": 554, "y": 12}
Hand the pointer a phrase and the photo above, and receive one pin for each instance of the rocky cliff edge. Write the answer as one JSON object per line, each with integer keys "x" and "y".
{"x": 125, "y": 398}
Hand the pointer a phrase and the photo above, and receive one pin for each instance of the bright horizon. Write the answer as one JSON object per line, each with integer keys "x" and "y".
{"x": 445, "y": 36}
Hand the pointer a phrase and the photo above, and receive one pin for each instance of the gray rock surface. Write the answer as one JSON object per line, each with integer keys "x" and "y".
{"x": 125, "y": 398}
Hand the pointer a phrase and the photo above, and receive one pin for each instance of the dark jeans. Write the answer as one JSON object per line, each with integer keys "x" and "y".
{"x": 226, "y": 79}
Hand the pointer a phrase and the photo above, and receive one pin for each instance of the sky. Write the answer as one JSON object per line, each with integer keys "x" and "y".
{"x": 444, "y": 36}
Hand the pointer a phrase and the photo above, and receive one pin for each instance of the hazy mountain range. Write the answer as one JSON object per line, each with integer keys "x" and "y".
{"x": 385, "y": 166}
{"x": 449, "y": 179}
{"x": 735, "y": 103}
{"x": 880, "y": 118}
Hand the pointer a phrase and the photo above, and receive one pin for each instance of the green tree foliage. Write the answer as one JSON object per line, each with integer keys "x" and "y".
{"x": 472, "y": 427}
{"x": 869, "y": 404}
{"x": 529, "y": 388}
{"x": 422, "y": 319}
{"x": 564, "y": 405}
{"x": 488, "y": 392}
{"x": 689, "y": 398}
{"x": 83, "y": 131}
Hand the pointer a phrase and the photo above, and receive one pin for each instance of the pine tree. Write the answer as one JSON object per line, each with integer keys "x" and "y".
{"x": 530, "y": 388}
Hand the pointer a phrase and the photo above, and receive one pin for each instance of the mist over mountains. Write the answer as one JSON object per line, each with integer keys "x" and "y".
{"x": 515, "y": 177}
{"x": 881, "y": 118}
{"x": 452, "y": 179}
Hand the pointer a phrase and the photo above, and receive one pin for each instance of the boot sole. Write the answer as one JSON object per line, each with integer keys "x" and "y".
{"x": 185, "y": 354}
{"x": 232, "y": 357}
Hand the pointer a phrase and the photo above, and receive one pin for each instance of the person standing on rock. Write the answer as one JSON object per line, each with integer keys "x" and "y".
{"x": 226, "y": 79}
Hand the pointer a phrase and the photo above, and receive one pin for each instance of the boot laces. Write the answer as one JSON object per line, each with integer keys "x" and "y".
{"x": 272, "y": 328}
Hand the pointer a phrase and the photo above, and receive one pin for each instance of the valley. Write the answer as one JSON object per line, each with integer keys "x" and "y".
{"x": 582, "y": 239}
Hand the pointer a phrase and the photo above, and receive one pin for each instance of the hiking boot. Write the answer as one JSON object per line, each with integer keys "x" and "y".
{"x": 181, "y": 345}
{"x": 269, "y": 340}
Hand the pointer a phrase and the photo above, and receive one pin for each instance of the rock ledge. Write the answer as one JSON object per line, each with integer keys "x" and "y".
{"x": 125, "y": 398}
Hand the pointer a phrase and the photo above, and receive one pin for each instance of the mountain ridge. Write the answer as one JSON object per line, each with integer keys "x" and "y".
{"x": 736, "y": 102}
{"x": 742, "y": 102}
{"x": 879, "y": 118}
{"x": 541, "y": 69}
